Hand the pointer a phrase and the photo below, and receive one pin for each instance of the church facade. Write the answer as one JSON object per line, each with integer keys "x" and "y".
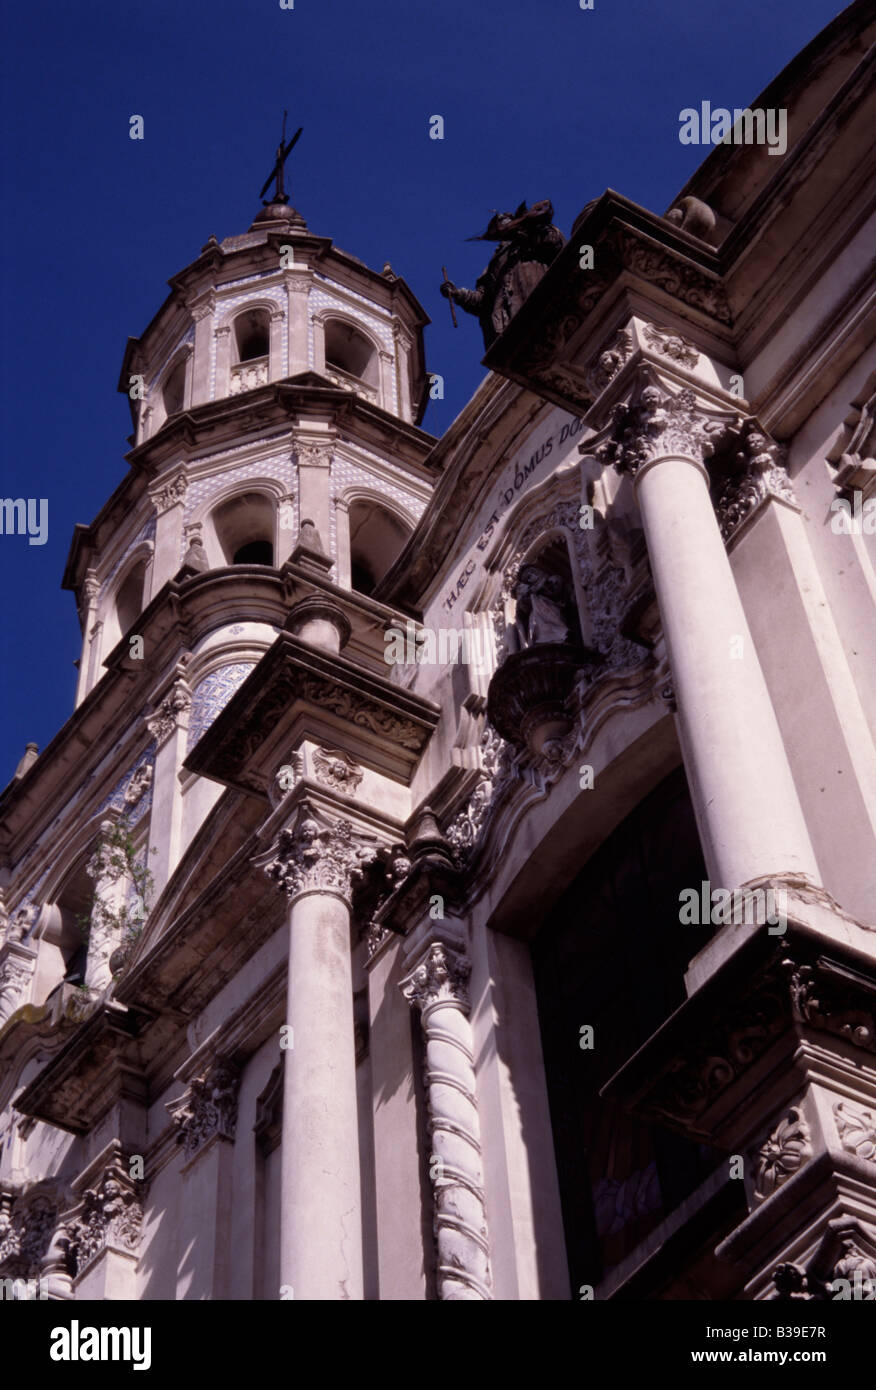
{"x": 457, "y": 877}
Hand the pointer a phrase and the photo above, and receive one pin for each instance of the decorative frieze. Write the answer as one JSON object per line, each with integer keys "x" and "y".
{"x": 438, "y": 987}
{"x": 208, "y": 1106}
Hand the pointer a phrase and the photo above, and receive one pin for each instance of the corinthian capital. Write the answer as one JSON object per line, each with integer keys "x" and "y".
{"x": 109, "y": 1216}
{"x": 162, "y": 723}
{"x": 314, "y": 858}
{"x": 658, "y": 425}
{"x": 208, "y": 1106}
{"x": 441, "y": 977}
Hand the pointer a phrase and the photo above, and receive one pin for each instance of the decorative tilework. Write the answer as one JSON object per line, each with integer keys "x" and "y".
{"x": 279, "y": 467}
{"x": 211, "y": 696}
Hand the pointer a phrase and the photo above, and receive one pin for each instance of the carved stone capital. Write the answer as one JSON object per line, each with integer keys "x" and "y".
{"x": 658, "y": 425}
{"x": 110, "y": 1215}
{"x": 315, "y": 858}
{"x": 758, "y": 475}
{"x": 164, "y": 721}
{"x": 16, "y": 971}
{"x": 170, "y": 494}
{"x": 207, "y": 1107}
{"x": 27, "y": 1221}
{"x": 314, "y": 455}
{"x": 440, "y": 978}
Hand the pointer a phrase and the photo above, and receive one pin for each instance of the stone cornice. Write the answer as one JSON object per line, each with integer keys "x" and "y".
{"x": 298, "y": 686}
{"x": 632, "y": 247}
{"x": 692, "y": 1074}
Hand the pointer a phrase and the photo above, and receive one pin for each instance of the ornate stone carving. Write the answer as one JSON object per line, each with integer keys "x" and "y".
{"x": 787, "y": 1149}
{"x": 170, "y": 494}
{"x": 671, "y": 344}
{"x": 465, "y": 828}
{"x": 21, "y": 922}
{"x": 109, "y": 1216}
{"x": 441, "y": 977}
{"x": 824, "y": 1000}
{"x": 438, "y": 987}
{"x": 139, "y": 784}
{"x": 857, "y": 1129}
{"x": 26, "y": 1226}
{"x": 248, "y": 376}
{"x": 15, "y": 977}
{"x": 314, "y": 455}
{"x": 319, "y": 858}
{"x": 757, "y": 477}
{"x": 350, "y": 706}
{"x": 164, "y": 721}
{"x": 677, "y": 277}
{"x": 207, "y": 1107}
{"x": 654, "y": 426}
{"x": 337, "y": 770}
{"x": 608, "y": 363}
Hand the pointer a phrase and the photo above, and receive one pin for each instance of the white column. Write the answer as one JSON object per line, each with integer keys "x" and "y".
{"x": 276, "y": 352}
{"x": 297, "y": 293}
{"x": 749, "y": 815}
{"x": 91, "y": 590}
{"x": 169, "y": 502}
{"x": 169, "y": 727}
{"x": 321, "y": 1219}
{"x": 438, "y": 987}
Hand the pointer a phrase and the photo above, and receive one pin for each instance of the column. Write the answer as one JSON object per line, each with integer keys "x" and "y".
{"x": 169, "y": 502}
{"x": 202, "y": 364}
{"x": 91, "y": 591}
{"x": 314, "y": 458}
{"x": 297, "y": 292}
{"x": 223, "y": 361}
{"x": 316, "y": 864}
{"x": 169, "y": 727}
{"x": 276, "y": 351}
{"x": 438, "y": 987}
{"x": 403, "y": 345}
{"x": 750, "y": 820}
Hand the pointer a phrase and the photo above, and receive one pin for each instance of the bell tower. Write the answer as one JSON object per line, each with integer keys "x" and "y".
{"x": 275, "y": 398}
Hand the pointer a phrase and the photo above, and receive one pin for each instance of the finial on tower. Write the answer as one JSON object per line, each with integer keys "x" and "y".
{"x": 283, "y": 151}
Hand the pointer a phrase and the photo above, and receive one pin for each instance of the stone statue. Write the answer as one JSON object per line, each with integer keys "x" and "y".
{"x": 541, "y": 608}
{"x": 528, "y": 242}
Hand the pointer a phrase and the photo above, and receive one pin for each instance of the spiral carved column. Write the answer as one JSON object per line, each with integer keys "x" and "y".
{"x": 438, "y": 988}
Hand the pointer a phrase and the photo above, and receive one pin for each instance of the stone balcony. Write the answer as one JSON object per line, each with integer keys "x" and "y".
{"x": 246, "y": 376}
{"x": 348, "y": 382}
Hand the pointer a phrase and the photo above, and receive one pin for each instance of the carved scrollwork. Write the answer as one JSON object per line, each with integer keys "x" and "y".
{"x": 656, "y": 425}
{"x": 319, "y": 858}
{"x": 110, "y": 1215}
{"x": 857, "y": 1129}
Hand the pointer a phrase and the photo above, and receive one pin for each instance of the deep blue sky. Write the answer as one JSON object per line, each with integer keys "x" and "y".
{"x": 540, "y": 99}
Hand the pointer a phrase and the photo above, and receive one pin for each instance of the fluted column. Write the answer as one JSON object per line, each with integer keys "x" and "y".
{"x": 438, "y": 987}
{"x": 316, "y": 864}
{"x": 749, "y": 815}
